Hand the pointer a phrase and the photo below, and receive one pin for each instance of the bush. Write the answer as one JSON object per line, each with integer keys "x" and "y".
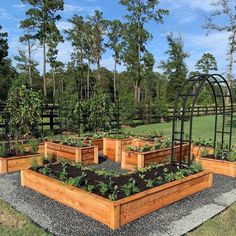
{"x": 23, "y": 109}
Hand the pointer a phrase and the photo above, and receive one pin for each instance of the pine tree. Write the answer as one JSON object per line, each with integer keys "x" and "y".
{"x": 175, "y": 67}
{"x": 207, "y": 63}
{"x": 42, "y": 18}
{"x": 136, "y": 36}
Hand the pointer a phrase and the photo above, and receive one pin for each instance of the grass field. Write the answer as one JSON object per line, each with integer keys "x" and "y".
{"x": 203, "y": 127}
{"x": 13, "y": 223}
{"x": 221, "y": 225}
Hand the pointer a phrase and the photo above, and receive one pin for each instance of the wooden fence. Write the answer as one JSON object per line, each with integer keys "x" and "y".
{"x": 51, "y": 117}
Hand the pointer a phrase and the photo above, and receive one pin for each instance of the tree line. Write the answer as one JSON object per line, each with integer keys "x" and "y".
{"x": 82, "y": 80}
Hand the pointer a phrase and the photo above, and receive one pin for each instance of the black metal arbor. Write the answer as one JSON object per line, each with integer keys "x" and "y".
{"x": 184, "y": 108}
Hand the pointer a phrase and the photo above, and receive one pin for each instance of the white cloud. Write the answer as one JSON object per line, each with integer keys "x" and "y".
{"x": 63, "y": 25}
{"x": 19, "y": 6}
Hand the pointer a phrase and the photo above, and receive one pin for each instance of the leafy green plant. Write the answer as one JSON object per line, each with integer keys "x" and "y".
{"x": 204, "y": 152}
{"x": 169, "y": 177}
{"x": 195, "y": 167}
{"x": 34, "y": 145}
{"x": 45, "y": 170}
{"x": 35, "y": 164}
{"x": 103, "y": 187}
{"x": 3, "y": 151}
{"x": 63, "y": 174}
{"x": 113, "y": 195}
{"x": 150, "y": 183}
{"x": 180, "y": 174}
{"x": 90, "y": 188}
{"x": 130, "y": 188}
{"x": 19, "y": 148}
{"x": 78, "y": 181}
{"x": 23, "y": 109}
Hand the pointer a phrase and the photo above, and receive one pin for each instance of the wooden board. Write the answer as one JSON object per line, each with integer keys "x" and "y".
{"x": 112, "y": 148}
{"x": 18, "y": 163}
{"x": 117, "y": 213}
{"x": 218, "y": 166}
{"x": 97, "y": 142}
{"x": 86, "y": 155}
{"x": 132, "y": 160}
{"x": 40, "y": 150}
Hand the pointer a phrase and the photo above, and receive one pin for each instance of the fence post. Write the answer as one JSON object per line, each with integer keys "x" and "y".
{"x": 51, "y": 120}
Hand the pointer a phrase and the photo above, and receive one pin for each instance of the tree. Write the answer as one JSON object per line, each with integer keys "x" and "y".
{"x": 42, "y": 18}
{"x": 175, "y": 67}
{"x": 207, "y": 63}
{"x": 23, "y": 108}
{"x": 7, "y": 72}
{"x": 99, "y": 26}
{"x": 55, "y": 39}
{"x": 26, "y": 65}
{"x": 80, "y": 36}
{"x": 136, "y": 36}
{"x": 116, "y": 44}
{"x": 3, "y": 45}
{"x": 225, "y": 10}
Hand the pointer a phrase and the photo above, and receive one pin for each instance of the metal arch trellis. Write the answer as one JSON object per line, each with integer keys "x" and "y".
{"x": 188, "y": 95}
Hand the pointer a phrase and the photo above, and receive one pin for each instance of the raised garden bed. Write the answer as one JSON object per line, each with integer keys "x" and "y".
{"x": 11, "y": 164}
{"x": 86, "y": 155}
{"x": 134, "y": 159}
{"x": 96, "y": 142}
{"x": 112, "y": 148}
{"x": 222, "y": 167}
{"x": 40, "y": 148}
{"x": 196, "y": 150}
{"x": 119, "y": 212}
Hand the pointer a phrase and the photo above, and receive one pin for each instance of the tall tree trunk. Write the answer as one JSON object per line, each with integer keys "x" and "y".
{"x": 44, "y": 70}
{"x": 30, "y": 65}
{"x": 114, "y": 80}
{"x": 54, "y": 84}
{"x": 98, "y": 72}
{"x": 139, "y": 62}
{"x": 231, "y": 62}
{"x": 88, "y": 80}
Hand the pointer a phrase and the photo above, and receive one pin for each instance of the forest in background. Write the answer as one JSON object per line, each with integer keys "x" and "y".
{"x": 88, "y": 90}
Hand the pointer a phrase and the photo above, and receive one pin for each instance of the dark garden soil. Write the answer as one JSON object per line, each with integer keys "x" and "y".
{"x": 13, "y": 154}
{"x": 93, "y": 178}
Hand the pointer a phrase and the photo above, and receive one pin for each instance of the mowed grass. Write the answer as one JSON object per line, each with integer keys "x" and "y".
{"x": 203, "y": 127}
{"x": 13, "y": 223}
{"x": 222, "y": 225}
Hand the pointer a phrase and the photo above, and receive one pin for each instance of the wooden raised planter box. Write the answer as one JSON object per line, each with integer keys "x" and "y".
{"x": 86, "y": 155}
{"x": 112, "y": 148}
{"x": 218, "y": 166}
{"x": 40, "y": 150}
{"x": 11, "y": 164}
{"x": 120, "y": 212}
{"x": 196, "y": 150}
{"x": 96, "y": 142}
{"x": 132, "y": 160}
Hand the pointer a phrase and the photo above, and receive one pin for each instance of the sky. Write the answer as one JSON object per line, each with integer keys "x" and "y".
{"x": 186, "y": 18}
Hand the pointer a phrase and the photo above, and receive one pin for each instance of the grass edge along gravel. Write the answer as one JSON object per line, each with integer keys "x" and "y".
{"x": 13, "y": 223}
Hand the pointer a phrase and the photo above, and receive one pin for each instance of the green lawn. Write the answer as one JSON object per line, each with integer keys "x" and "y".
{"x": 13, "y": 223}
{"x": 203, "y": 127}
{"x": 221, "y": 225}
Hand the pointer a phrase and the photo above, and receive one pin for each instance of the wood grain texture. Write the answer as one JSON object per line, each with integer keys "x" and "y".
{"x": 196, "y": 150}
{"x": 117, "y": 213}
{"x": 97, "y": 142}
{"x": 12, "y": 164}
{"x": 86, "y": 155}
{"x": 132, "y": 160}
{"x": 218, "y": 166}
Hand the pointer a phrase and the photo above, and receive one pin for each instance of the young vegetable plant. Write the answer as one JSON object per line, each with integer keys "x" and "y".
{"x": 130, "y": 188}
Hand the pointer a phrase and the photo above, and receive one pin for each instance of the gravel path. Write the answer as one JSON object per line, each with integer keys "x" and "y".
{"x": 175, "y": 219}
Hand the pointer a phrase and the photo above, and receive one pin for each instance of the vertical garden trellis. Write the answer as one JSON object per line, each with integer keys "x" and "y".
{"x": 186, "y": 100}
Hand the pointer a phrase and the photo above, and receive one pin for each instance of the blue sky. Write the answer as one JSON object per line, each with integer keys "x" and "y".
{"x": 186, "y": 18}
